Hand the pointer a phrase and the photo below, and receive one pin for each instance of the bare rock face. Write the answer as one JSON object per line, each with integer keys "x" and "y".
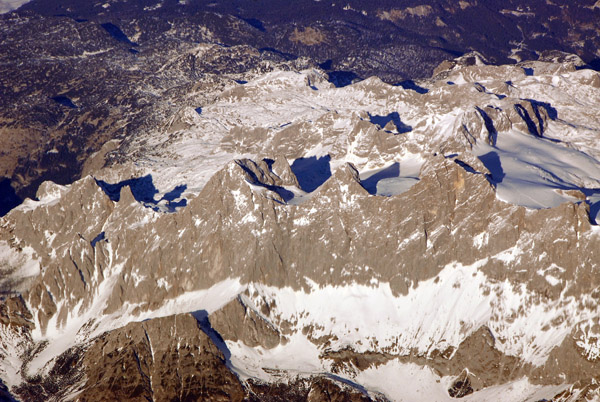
{"x": 316, "y": 389}
{"x": 462, "y": 386}
{"x": 169, "y": 358}
{"x": 581, "y": 346}
{"x": 14, "y": 313}
{"x": 326, "y": 390}
{"x": 282, "y": 169}
{"x": 456, "y": 204}
{"x": 452, "y": 202}
{"x": 161, "y": 359}
{"x": 61, "y": 381}
{"x": 580, "y": 392}
{"x": 309, "y": 280}
{"x": 238, "y": 321}
{"x": 482, "y": 364}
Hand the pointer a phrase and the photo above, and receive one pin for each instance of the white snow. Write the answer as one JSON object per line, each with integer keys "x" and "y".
{"x": 405, "y": 382}
{"x": 532, "y": 169}
{"x": 398, "y": 381}
{"x": 393, "y": 178}
{"x": 50, "y": 197}
{"x": 535, "y": 170}
{"x": 61, "y": 338}
{"x": 509, "y": 255}
{"x": 302, "y": 221}
{"x": 10, "y": 361}
{"x": 17, "y": 268}
{"x": 437, "y": 314}
{"x": 481, "y": 239}
{"x": 408, "y": 382}
{"x": 285, "y": 99}
{"x": 163, "y": 283}
{"x": 298, "y": 356}
{"x": 240, "y": 199}
{"x": 589, "y": 339}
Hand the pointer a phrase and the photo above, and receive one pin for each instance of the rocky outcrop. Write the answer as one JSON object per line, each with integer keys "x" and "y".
{"x": 307, "y": 280}
{"x": 316, "y": 389}
{"x": 169, "y": 358}
{"x": 238, "y": 321}
{"x": 161, "y": 359}
{"x": 580, "y": 392}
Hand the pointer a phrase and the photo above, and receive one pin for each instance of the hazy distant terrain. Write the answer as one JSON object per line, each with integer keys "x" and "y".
{"x": 50, "y": 50}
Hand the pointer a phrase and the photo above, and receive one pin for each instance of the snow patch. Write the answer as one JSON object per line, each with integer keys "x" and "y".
{"x": 410, "y": 382}
{"x": 17, "y": 268}
{"x": 481, "y": 240}
{"x": 10, "y": 351}
{"x": 302, "y": 221}
{"x": 509, "y": 255}
{"x": 62, "y": 338}
{"x": 9, "y": 5}
{"x": 298, "y": 356}
{"x": 588, "y": 338}
{"x": 461, "y": 297}
{"x": 534, "y": 172}
{"x": 392, "y": 179}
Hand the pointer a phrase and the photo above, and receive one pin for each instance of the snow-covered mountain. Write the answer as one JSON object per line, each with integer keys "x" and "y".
{"x": 290, "y": 240}
{"x": 75, "y": 75}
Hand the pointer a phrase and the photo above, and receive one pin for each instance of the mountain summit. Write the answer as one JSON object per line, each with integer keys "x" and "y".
{"x": 294, "y": 240}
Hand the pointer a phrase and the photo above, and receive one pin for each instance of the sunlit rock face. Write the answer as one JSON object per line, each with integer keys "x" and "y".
{"x": 275, "y": 237}
{"x": 78, "y": 75}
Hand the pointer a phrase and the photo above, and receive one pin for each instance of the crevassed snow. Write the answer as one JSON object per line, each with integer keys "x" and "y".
{"x": 532, "y": 171}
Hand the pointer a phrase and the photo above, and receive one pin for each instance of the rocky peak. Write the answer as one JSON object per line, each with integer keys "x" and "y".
{"x": 365, "y": 232}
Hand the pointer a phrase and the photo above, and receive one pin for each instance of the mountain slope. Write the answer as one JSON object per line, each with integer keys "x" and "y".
{"x": 292, "y": 240}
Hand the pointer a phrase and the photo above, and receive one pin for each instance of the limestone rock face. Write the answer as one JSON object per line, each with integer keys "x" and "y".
{"x": 15, "y": 338}
{"x": 317, "y": 389}
{"x": 237, "y": 321}
{"x": 581, "y": 391}
{"x": 162, "y": 359}
{"x": 333, "y": 245}
{"x": 14, "y": 313}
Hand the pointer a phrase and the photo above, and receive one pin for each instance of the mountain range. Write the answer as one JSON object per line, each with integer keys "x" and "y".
{"x": 300, "y": 201}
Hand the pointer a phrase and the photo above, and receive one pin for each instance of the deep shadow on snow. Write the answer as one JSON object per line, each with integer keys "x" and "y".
{"x": 312, "y": 172}
{"x": 394, "y": 118}
{"x": 144, "y": 191}
{"x": 391, "y": 171}
{"x": 202, "y": 317}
